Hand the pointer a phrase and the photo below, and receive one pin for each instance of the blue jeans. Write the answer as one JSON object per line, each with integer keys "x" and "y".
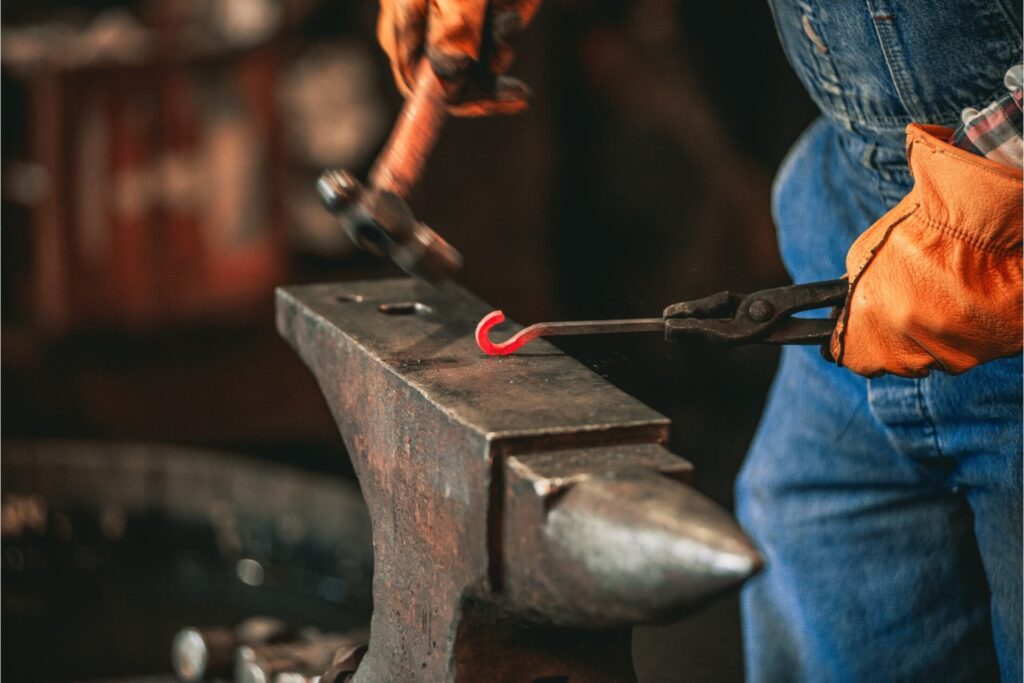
{"x": 889, "y": 509}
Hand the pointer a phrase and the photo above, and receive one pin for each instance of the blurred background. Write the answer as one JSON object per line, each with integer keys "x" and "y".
{"x": 167, "y": 459}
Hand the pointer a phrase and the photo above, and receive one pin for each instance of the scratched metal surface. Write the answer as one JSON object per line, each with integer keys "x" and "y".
{"x": 537, "y": 392}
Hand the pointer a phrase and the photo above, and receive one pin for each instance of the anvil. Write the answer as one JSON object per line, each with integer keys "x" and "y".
{"x": 525, "y": 512}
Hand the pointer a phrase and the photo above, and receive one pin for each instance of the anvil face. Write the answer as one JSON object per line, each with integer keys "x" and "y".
{"x": 512, "y": 499}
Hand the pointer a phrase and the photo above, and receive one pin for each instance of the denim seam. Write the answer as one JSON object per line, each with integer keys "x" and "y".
{"x": 838, "y": 100}
{"x": 880, "y": 177}
{"x": 882, "y": 20}
{"x": 930, "y": 430}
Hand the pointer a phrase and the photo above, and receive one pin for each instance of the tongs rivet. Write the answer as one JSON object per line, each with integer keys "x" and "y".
{"x": 760, "y": 311}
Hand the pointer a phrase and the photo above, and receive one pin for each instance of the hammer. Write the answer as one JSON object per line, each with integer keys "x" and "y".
{"x": 377, "y": 218}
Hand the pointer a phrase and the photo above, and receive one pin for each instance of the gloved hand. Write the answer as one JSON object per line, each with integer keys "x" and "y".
{"x": 463, "y": 39}
{"x": 936, "y": 282}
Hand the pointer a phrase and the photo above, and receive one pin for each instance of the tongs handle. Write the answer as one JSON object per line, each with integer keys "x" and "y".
{"x": 762, "y": 317}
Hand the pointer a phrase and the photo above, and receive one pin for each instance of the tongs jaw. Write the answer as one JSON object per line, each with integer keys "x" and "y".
{"x": 762, "y": 317}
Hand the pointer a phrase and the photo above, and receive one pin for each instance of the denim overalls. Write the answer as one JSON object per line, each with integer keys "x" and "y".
{"x": 888, "y": 510}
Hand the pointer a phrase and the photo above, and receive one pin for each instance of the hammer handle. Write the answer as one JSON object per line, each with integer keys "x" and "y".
{"x": 398, "y": 166}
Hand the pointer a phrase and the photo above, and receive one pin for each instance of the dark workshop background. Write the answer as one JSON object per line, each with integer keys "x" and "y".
{"x": 159, "y": 158}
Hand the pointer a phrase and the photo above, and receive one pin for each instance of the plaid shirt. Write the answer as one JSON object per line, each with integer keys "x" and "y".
{"x": 995, "y": 131}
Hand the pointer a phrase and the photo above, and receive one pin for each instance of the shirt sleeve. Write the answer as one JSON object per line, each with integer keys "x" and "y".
{"x": 995, "y": 131}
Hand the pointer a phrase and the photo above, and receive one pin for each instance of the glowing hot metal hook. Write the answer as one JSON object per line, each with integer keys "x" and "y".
{"x": 510, "y": 345}
{"x": 526, "y": 335}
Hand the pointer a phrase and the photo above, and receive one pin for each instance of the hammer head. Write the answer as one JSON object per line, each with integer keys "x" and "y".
{"x": 382, "y": 223}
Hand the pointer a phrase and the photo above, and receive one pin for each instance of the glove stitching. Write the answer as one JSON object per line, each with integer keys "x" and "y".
{"x": 844, "y": 322}
{"x": 972, "y": 240}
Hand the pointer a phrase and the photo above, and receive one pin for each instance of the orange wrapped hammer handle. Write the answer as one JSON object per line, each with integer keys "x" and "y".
{"x": 398, "y": 166}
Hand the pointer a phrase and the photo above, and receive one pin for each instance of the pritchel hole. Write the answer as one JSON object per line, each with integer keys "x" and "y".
{"x": 349, "y": 299}
{"x": 405, "y": 308}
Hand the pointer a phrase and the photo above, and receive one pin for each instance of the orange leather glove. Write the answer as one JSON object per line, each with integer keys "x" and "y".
{"x": 936, "y": 282}
{"x": 468, "y": 40}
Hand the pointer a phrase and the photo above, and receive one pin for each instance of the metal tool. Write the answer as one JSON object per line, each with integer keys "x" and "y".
{"x": 525, "y": 514}
{"x": 204, "y": 653}
{"x": 199, "y": 654}
{"x": 295, "y": 662}
{"x": 764, "y": 317}
{"x": 346, "y": 662}
{"x": 377, "y": 218}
